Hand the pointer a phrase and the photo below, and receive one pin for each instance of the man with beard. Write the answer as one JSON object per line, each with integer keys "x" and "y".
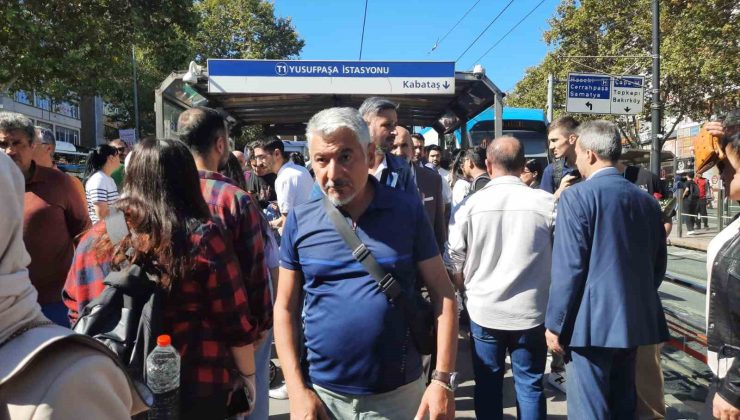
{"x": 206, "y": 133}
{"x": 381, "y": 118}
{"x": 262, "y": 182}
{"x": 359, "y": 360}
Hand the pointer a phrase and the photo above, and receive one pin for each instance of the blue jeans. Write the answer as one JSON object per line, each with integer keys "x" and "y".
{"x": 57, "y": 313}
{"x": 528, "y": 351}
{"x": 601, "y": 383}
{"x": 262, "y": 363}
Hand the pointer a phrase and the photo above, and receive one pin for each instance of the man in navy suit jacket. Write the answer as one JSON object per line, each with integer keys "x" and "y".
{"x": 609, "y": 258}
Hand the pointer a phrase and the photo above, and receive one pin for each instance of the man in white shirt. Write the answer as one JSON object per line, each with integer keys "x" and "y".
{"x": 499, "y": 251}
{"x": 293, "y": 184}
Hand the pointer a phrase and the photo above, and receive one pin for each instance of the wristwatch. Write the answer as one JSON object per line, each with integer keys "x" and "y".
{"x": 447, "y": 378}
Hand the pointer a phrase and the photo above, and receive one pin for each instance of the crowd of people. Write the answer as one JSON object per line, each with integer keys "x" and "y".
{"x": 363, "y": 266}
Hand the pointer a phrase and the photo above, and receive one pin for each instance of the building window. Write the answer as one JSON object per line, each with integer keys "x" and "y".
{"x": 69, "y": 135}
{"x": 67, "y": 109}
{"x": 45, "y": 125}
{"x": 23, "y": 97}
{"x": 43, "y": 102}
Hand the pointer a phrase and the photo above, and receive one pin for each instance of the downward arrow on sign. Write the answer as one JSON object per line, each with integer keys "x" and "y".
{"x": 446, "y": 84}
{"x": 627, "y": 109}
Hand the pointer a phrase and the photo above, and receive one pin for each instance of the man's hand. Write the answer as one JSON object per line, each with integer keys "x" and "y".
{"x": 553, "y": 342}
{"x": 715, "y": 128}
{"x": 438, "y": 402}
{"x": 306, "y": 405}
{"x": 722, "y": 410}
{"x": 565, "y": 183}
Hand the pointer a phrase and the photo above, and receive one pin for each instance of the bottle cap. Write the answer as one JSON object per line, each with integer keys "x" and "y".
{"x": 164, "y": 340}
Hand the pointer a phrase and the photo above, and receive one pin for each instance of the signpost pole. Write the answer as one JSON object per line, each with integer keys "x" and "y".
{"x": 136, "y": 91}
{"x": 550, "y": 88}
{"x": 498, "y": 126}
{"x": 655, "y": 107}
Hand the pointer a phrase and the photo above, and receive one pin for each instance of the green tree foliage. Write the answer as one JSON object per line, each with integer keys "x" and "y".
{"x": 243, "y": 29}
{"x": 700, "y": 53}
{"x": 71, "y": 49}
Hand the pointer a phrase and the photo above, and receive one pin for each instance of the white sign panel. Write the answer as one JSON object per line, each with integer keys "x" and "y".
{"x": 331, "y": 77}
{"x": 605, "y": 94}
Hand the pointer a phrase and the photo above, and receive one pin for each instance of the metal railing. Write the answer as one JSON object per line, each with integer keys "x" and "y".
{"x": 722, "y": 208}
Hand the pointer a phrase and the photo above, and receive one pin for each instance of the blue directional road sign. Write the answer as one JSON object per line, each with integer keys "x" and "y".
{"x": 331, "y": 77}
{"x": 605, "y": 94}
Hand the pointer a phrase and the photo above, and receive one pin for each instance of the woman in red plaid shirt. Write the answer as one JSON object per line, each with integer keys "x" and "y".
{"x": 206, "y": 312}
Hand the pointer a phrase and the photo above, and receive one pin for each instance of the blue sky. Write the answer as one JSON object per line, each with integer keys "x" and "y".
{"x": 405, "y": 30}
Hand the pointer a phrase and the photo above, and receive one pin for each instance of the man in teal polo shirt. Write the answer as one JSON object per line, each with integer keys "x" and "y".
{"x": 359, "y": 359}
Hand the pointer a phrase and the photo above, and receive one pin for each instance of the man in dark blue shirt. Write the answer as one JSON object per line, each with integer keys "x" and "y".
{"x": 359, "y": 359}
{"x": 561, "y": 138}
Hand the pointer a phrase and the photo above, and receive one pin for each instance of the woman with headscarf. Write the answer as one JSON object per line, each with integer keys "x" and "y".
{"x": 42, "y": 364}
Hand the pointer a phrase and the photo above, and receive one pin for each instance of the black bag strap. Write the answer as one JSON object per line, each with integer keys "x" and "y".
{"x": 386, "y": 282}
{"x": 631, "y": 173}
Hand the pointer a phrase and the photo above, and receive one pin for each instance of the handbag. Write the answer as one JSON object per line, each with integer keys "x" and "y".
{"x": 419, "y": 314}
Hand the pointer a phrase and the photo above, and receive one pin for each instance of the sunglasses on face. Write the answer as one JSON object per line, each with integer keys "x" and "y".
{"x": 121, "y": 150}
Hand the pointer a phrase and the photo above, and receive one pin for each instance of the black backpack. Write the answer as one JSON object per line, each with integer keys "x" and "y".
{"x": 127, "y": 315}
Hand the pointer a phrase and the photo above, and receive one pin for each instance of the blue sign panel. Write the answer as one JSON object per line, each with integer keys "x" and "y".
{"x": 589, "y": 87}
{"x": 331, "y": 77}
{"x": 283, "y": 68}
{"x": 627, "y": 82}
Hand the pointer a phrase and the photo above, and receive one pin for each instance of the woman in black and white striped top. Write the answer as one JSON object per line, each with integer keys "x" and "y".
{"x": 100, "y": 188}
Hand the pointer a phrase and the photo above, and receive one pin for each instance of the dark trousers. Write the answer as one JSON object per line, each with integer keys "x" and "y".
{"x": 601, "y": 384}
{"x": 701, "y": 210}
{"x": 528, "y": 351}
{"x": 690, "y": 208}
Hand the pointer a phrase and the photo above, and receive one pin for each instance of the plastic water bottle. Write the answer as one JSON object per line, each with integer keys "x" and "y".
{"x": 163, "y": 378}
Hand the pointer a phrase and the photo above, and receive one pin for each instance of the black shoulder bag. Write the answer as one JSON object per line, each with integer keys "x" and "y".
{"x": 127, "y": 315}
{"x": 419, "y": 315}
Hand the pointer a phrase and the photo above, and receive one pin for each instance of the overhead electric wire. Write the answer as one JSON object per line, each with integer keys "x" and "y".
{"x": 510, "y": 31}
{"x": 484, "y": 31}
{"x": 362, "y": 38}
{"x": 439, "y": 41}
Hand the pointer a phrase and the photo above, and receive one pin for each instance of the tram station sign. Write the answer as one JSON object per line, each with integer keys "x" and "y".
{"x": 605, "y": 94}
{"x": 331, "y": 77}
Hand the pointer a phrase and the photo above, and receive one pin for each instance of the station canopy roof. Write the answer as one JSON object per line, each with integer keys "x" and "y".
{"x": 287, "y": 114}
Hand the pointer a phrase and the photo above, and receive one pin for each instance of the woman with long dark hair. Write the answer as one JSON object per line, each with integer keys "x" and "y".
{"x": 100, "y": 188}
{"x": 206, "y": 310}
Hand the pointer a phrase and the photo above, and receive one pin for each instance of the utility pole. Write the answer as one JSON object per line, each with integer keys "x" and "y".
{"x": 550, "y": 88}
{"x": 136, "y": 91}
{"x": 656, "y": 106}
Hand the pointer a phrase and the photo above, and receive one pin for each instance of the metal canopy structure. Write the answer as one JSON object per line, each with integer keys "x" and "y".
{"x": 287, "y": 114}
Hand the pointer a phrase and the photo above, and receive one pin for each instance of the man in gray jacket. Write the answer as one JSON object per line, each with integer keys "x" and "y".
{"x": 499, "y": 251}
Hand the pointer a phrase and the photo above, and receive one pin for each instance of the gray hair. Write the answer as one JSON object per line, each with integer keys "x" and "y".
{"x": 602, "y": 138}
{"x": 10, "y": 121}
{"x": 330, "y": 120}
{"x": 46, "y": 136}
{"x": 374, "y": 105}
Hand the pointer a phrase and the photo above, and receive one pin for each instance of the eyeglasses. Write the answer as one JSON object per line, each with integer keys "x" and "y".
{"x": 121, "y": 150}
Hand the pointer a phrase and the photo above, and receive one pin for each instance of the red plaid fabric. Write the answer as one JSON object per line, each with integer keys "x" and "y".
{"x": 206, "y": 313}
{"x": 232, "y": 208}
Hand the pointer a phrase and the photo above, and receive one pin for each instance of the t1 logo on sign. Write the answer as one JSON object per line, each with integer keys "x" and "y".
{"x": 281, "y": 69}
